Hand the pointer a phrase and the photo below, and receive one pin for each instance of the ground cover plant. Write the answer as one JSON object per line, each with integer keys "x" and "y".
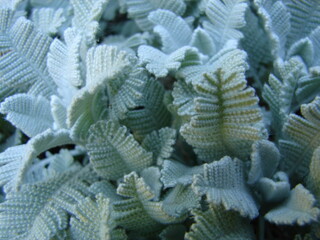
{"x": 159, "y": 119}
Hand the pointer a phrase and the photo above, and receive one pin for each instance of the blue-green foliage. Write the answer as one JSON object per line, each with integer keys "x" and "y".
{"x": 159, "y": 119}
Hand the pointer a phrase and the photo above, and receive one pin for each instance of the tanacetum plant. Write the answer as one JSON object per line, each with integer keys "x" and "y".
{"x": 160, "y": 119}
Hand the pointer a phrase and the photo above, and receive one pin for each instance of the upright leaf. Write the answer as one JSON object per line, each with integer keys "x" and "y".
{"x": 227, "y": 119}
{"x": 139, "y": 10}
{"x": 226, "y": 19}
{"x": 29, "y": 113}
{"x": 138, "y": 212}
{"x": 217, "y": 223}
{"x": 301, "y": 138}
{"x": 298, "y": 208}
{"x": 94, "y": 220}
{"x": 114, "y": 152}
{"x": 23, "y": 67}
{"x": 223, "y": 183}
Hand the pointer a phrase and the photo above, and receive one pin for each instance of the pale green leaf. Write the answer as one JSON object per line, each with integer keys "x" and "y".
{"x": 161, "y": 64}
{"x": 23, "y": 67}
{"x": 160, "y": 143}
{"x": 140, "y": 9}
{"x": 223, "y": 183}
{"x": 218, "y": 224}
{"x": 29, "y": 113}
{"x": 48, "y": 20}
{"x": 302, "y": 137}
{"x": 64, "y": 64}
{"x": 137, "y": 212}
{"x": 174, "y": 173}
{"x": 39, "y": 211}
{"x": 173, "y": 31}
{"x": 149, "y": 112}
{"x": 276, "y": 23}
{"x": 93, "y": 220}
{"x": 226, "y": 19}
{"x": 87, "y": 107}
{"x": 114, "y": 152}
{"x": 297, "y": 209}
{"x": 227, "y": 119}
{"x": 87, "y": 13}
{"x": 265, "y": 158}
{"x": 16, "y": 161}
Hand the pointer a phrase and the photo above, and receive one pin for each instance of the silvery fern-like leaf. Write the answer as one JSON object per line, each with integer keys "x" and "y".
{"x": 94, "y": 220}
{"x": 53, "y": 165}
{"x": 86, "y": 16}
{"x": 308, "y": 85}
{"x": 127, "y": 91}
{"x": 161, "y": 64}
{"x": 303, "y": 48}
{"x": 180, "y": 200}
{"x": 304, "y": 18}
{"x": 265, "y": 158}
{"x": 314, "y": 37}
{"x": 301, "y": 138}
{"x": 274, "y": 190}
{"x": 127, "y": 44}
{"x": 59, "y": 113}
{"x": 137, "y": 212}
{"x": 16, "y": 161}
{"x": 227, "y": 119}
{"x": 40, "y": 211}
{"x": 149, "y": 112}
{"x": 151, "y": 176}
{"x": 64, "y": 64}
{"x": 55, "y": 4}
{"x": 276, "y": 21}
{"x": 229, "y": 55}
{"x": 104, "y": 63}
{"x": 114, "y": 152}
{"x": 226, "y": 19}
{"x": 183, "y": 98}
{"x": 48, "y": 20}
{"x": 314, "y": 174}
{"x": 173, "y": 31}
{"x": 297, "y": 209}
{"x": 22, "y": 66}
{"x": 29, "y": 113}
{"x": 106, "y": 189}
{"x": 216, "y": 223}
{"x": 160, "y": 143}
{"x": 223, "y": 183}
{"x": 13, "y": 4}
{"x": 256, "y": 45}
{"x": 87, "y": 107}
{"x": 140, "y": 9}
{"x": 174, "y": 173}
{"x": 203, "y": 42}
{"x": 280, "y": 92}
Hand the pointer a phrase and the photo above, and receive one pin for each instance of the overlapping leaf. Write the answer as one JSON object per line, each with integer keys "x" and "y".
{"x": 227, "y": 119}
{"x": 137, "y": 212}
{"x": 298, "y": 208}
{"x": 15, "y": 161}
{"x": 94, "y": 220}
{"x": 223, "y": 183}
{"x": 302, "y": 137}
{"x": 29, "y": 113}
{"x": 39, "y": 211}
{"x": 114, "y": 152}
{"x": 217, "y": 223}
{"x": 23, "y": 67}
